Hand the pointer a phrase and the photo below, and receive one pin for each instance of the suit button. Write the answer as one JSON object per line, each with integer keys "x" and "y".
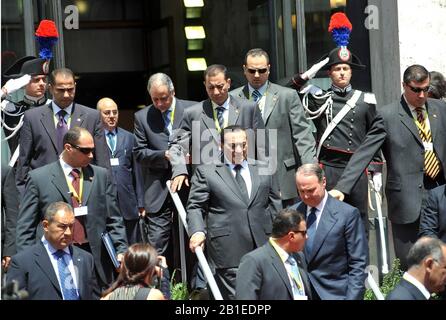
{"x": 329, "y": 138}
{"x": 350, "y": 134}
{"x": 354, "y": 111}
{"x": 352, "y": 120}
{"x": 350, "y": 142}
{"x": 328, "y": 144}
{"x": 351, "y": 127}
{"x": 348, "y": 149}
{"x": 420, "y": 186}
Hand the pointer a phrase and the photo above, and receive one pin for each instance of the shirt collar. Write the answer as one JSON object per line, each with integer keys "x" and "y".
{"x": 51, "y": 249}
{"x": 320, "y": 206}
{"x": 411, "y": 107}
{"x": 282, "y": 253}
{"x": 262, "y": 89}
{"x": 114, "y": 131}
{"x": 409, "y": 278}
{"x": 56, "y": 108}
{"x": 66, "y": 167}
{"x": 244, "y": 164}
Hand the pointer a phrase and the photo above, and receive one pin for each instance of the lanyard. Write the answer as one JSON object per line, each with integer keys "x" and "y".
{"x": 424, "y": 130}
{"x": 78, "y": 197}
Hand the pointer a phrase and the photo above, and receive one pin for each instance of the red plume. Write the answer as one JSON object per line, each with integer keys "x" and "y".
{"x": 47, "y": 29}
{"x": 339, "y": 20}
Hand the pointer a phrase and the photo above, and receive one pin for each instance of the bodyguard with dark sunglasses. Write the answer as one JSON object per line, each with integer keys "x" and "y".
{"x": 90, "y": 191}
{"x": 282, "y": 112}
{"x": 415, "y": 153}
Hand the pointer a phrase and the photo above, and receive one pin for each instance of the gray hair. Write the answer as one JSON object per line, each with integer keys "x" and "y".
{"x": 311, "y": 169}
{"x": 422, "y": 249}
{"x": 160, "y": 79}
{"x": 55, "y": 207}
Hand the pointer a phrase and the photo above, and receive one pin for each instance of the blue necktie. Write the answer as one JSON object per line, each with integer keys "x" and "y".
{"x": 66, "y": 279}
{"x": 256, "y": 95}
{"x": 111, "y": 141}
{"x": 166, "y": 118}
{"x": 61, "y": 129}
{"x": 297, "y": 283}
{"x": 311, "y": 231}
{"x": 220, "y": 117}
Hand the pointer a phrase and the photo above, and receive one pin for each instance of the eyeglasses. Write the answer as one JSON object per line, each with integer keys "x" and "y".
{"x": 81, "y": 149}
{"x": 418, "y": 90}
{"x": 303, "y": 232}
{"x": 260, "y": 71}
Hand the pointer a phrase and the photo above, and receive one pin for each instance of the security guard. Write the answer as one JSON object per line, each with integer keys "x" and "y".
{"x": 346, "y": 121}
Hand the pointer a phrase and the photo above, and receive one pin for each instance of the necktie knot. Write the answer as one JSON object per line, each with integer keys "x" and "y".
{"x": 238, "y": 167}
{"x": 220, "y": 117}
{"x": 110, "y": 134}
{"x": 291, "y": 260}
{"x": 256, "y": 95}
{"x": 61, "y": 114}
{"x": 311, "y": 218}
{"x": 75, "y": 173}
{"x": 59, "y": 254}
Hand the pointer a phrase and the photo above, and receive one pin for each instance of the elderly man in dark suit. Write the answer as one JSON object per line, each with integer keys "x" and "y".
{"x": 41, "y": 137}
{"x": 231, "y": 207}
{"x": 336, "y": 250}
{"x": 283, "y": 113}
{"x": 89, "y": 189}
{"x": 198, "y": 141}
{"x": 426, "y": 273}
{"x": 276, "y": 271}
{"x": 154, "y": 126}
{"x": 126, "y": 171}
{"x": 53, "y": 269}
{"x": 414, "y": 149}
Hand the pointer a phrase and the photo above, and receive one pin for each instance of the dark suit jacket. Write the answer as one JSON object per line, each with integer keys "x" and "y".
{"x": 262, "y": 276}
{"x": 433, "y": 214}
{"x": 241, "y": 112}
{"x": 295, "y": 143}
{"x": 339, "y": 257}
{"x": 404, "y": 153}
{"x": 233, "y": 224}
{"x": 38, "y": 139}
{"x": 48, "y": 184}
{"x": 152, "y": 141}
{"x": 127, "y": 176}
{"x": 34, "y": 272}
{"x": 405, "y": 291}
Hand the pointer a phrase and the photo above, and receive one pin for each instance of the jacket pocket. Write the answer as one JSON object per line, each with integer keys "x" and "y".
{"x": 290, "y": 162}
{"x": 393, "y": 185}
{"x": 219, "y": 232}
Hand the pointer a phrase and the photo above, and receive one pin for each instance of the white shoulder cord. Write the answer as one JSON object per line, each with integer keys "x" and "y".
{"x": 326, "y": 107}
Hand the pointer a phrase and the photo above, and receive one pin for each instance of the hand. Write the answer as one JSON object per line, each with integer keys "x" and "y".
{"x": 337, "y": 194}
{"x": 178, "y": 181}
{"x": 377, "y": 179}
{"x": 13, "y": 85}
{"x": 310, "y": 73}
{"x": 167, "y": 155}
{"x": 142, "y": 212}
{"x": 197, "y": 240}
{"x": 120, "y": 257}
{"x": 5, "y": 262}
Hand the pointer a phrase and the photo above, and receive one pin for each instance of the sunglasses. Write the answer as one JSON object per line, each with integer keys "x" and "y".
{"x": 418, "y": 90}
{"x": 83, "y": 150}
{"x": 260, "y": 71}
{"x": 303, "y": 232}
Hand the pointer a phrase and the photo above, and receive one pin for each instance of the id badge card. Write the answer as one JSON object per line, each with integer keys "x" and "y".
{"x": 114, "y": 162}
{"x": 428, "y": 146}
{"x": 80, "y": 211}
{"x": 301, "y": 298}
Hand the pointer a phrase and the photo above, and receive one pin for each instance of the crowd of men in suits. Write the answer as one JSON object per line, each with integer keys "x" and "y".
{"x": 273, "y": 180}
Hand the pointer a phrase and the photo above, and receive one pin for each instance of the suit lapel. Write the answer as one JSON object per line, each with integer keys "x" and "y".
{"x": 407, "y": 119}
{"x": 77, "y": 117}
{"x": 49, "y": 125}
{"x": 88, "y": 183}
{"x": 120, "y": 143}
{"x": 225, "y": 173}
{"x": 270, "y": 103}
{"x": 178, "y": 114}
{"x": 208, "y": 120}
{"x": 279, "y": 267}
{"x": 432, "y": 112}
{"x": 244, "y": 93}
{"x": 326, "y": 222}
{"x": 59, "y": 181}
{"x": 234, "y": 112}
{"x": 255, "y": 183}
{"x": 44, "y": 263}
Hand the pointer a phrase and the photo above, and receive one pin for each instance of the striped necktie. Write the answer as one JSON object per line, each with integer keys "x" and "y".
{"x": 256, "y": 95}
{"x": 431, "y": 163}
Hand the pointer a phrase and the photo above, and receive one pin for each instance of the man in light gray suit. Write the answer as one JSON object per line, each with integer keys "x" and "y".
{"x": 231, "y": 207}
{"x": 276, "y": 271}
{"x": 281, "y": 111}
{"x": 91, "y": 192}
{"x": 198, "y": 140}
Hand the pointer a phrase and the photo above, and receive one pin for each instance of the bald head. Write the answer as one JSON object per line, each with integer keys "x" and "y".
{"x": 109, "y": 113}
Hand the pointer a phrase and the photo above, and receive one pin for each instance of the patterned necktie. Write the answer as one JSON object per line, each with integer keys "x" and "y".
{"x": 311, "y": 230}
{"x": 78, "y": 229}
{"x": 69, "y": 292}
{"x": 431, "y": 163}
{"x": 240, "y": 181}
{"x": 220, "y": 117}
{"x": 111, "y": 141}
{"x": 295, "y": 275}
{"x": 61, "y": 129}
{"x": 256, "y": 95}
